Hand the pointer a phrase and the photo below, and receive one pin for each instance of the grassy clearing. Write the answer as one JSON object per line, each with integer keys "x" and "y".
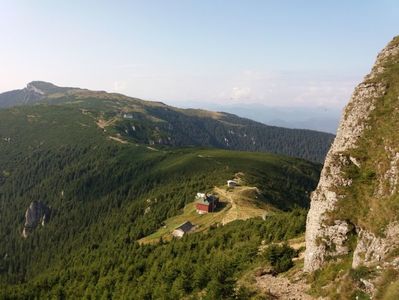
{"x": 240, "y": 203}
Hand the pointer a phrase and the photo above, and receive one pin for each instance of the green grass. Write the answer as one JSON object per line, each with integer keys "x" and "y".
{"x": 392, "y": 291}
{"x": 240, "y": 203}
{"x": 202, "y": 222}
{"x": 322, "y": 280}
{"x": 388, "y": 285}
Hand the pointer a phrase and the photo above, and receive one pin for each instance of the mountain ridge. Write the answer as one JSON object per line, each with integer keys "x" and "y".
{"x": 155, "y": 123}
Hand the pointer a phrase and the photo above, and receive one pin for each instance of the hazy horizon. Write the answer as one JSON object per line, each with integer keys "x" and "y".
{"x": 318, "y": 118}
{"x": 271, "y": 53}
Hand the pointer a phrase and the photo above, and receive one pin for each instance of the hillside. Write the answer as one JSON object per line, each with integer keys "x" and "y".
{"x": 352, "y": 232}
{"x": 157, "y": 124}
{"x": 105, "y": 195}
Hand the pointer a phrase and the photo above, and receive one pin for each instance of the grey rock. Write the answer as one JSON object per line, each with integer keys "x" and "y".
{"x": 322, "y": 238}
{"x": 37, "y": 213}
{"x": 371, "y": 249}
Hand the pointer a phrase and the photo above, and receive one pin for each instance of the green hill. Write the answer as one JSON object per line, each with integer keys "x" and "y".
{"x": 154, "y": 123}
{"x": 105, "y": 195}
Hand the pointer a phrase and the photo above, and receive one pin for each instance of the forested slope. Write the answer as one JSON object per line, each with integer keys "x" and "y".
{"x": 99, "y": 191}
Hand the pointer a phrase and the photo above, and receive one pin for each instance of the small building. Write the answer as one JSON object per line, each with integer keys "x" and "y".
{"x": 231, "y": 183}
{"x": 128, "y": 116}
{"x": 200, "y": 196}
{"x": 182, "y": 229}
{"x": 206, "y": 204}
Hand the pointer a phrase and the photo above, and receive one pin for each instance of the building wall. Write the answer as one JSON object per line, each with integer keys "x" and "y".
{"x": 231, "y": 183}
{"x": 202, "y": 207}
{"x": 178, "y": 233}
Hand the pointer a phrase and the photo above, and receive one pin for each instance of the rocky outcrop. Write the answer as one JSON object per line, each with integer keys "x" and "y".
{"x": 34, "y": 92}
{"x": 329, "y": 238}
{"x": 32, "y": 88}
{"x": 372, "y": 249}
{"x": 37, "y": 213}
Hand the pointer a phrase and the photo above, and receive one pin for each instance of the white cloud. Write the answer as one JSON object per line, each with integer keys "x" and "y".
{"x": 240, "y": 93}
{"x": 288, "y": 89}
{"x": 270, "y": 88}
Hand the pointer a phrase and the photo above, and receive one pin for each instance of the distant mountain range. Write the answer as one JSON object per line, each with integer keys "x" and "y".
{"x": 309, "y": 117}
{"x": 157, "y": 124}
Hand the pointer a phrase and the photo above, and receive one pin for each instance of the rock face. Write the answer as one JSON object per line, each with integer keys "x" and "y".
{"x": 326, "y": 237}
{"x": 34, "y": 92}
{"x": 37, "y": 213}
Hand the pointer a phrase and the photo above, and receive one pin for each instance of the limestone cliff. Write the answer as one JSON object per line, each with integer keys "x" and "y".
{"x": 355, "y": 206}
{"x": 37, "y": 213}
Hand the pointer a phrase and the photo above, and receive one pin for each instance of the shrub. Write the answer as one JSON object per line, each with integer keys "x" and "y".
{"x": 280, "y": 257}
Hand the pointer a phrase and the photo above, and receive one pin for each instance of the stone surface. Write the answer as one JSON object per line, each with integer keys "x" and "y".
{"x": 37, "y": 213}
{"x": 324, "y": 239}
{"x": 371, "y": 250}
{"x": 280, "y": 287}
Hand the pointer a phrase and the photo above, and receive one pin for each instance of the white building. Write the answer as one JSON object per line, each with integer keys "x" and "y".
{"x": 127, "y": 116}
{"x": 182, "y": 229}
{"x": 200, "y": 196}
{"x": 231, "y": 183}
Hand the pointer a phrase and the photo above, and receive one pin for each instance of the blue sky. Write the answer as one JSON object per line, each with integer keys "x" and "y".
{"x": 275, "y": 53}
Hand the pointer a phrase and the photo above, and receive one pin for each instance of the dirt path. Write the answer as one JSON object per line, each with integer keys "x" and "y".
{"x": 102, "y": 123}
{"x": 242, "y": 200}
{"x": 152, "y": 148}
{"x": 116, "y": 139}
{"x": 232, "y": 213}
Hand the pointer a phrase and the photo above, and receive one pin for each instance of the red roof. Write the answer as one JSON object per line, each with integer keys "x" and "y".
{"x": 202, "y": 207}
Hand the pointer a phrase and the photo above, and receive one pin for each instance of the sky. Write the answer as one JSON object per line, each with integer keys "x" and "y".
{"x": 193, "y": 52}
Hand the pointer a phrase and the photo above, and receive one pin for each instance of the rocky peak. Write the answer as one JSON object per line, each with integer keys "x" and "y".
{"x": 32, "y": 88}
{"x": 37, "y": 213}
{"x": 357, "y": 193}
{"x": 46, "y": 88}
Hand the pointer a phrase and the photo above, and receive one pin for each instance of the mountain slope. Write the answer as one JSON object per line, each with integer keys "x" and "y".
{"x": 99, "y": 191}
{"x": 34, "y": 92}
{"x": 352, "y": 232}
{"x": 154, "y": 123}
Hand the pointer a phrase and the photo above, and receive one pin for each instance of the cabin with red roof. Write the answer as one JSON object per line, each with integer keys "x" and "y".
{"x": 206, "y": 204}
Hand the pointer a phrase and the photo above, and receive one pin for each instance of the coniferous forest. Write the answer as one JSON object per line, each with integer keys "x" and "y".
{"x": 107, "y": 188}
{"x": 181, "y": 154}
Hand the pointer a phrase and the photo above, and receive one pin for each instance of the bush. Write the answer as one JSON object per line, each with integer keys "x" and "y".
{"x": 280, "y": 257}
{"x": 361, "y": 272}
